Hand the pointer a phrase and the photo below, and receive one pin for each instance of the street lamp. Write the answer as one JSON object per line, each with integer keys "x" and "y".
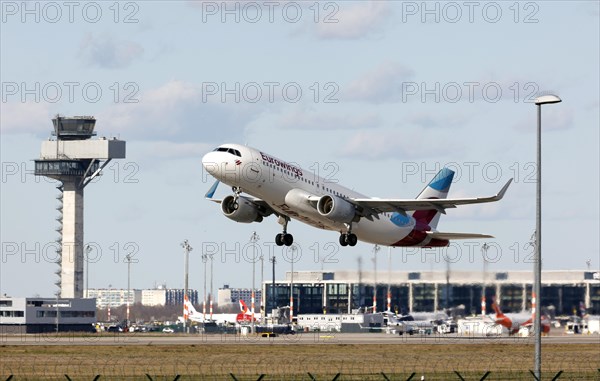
{"x": 88, "y": 250}
{"x": 273, "y": 260}
{"x": 484, "y": 250}
{"x": 186, "y": 250}
{"x": 128, "y": 260}
{"x": 376, "y": 248}
{"x": 293, "y": 248}
{"x": 204, "y": 260}
{"x": 253, "y": 238}
{"x": 537, "y": 273}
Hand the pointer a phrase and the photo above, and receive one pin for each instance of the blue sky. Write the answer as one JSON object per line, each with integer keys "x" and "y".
{"x": 375, "y": 95}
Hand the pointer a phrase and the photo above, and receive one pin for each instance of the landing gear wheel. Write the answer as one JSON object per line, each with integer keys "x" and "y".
{"x": 288, "y": 239}
{"x": 352, "y": 239}
{"x": 279, "y": 239}
{"x": 343, "y": 240}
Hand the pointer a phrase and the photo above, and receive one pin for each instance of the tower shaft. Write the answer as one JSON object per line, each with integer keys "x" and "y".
{"x": 72, "y": 240}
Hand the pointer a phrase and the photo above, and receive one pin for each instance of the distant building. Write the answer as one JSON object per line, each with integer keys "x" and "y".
{"x": 114, "y": 297}
{"x": 37, "y": 315}
{"x": 228, "y": 295}
{"x": 174, "y": 297}
{"x": 150, "y": 297}
{"x": 427, "y": 291}
{"x": 155, "y": 297}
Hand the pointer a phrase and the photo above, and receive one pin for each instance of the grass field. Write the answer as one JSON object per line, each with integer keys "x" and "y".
{"x": 285, "y": 362}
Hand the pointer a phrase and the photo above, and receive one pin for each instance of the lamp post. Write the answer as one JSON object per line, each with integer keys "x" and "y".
{"x": 211, "y": 257}
{"x": 204, "y": 260}
{"x": 273, "y": 300}
{"x": 128, "y": 260}
{"x": 293, "y": 248}
{"x": 253, "y": 238}
{"x": 186, "y": 249}
{"x": 88, "y": 249}
{"x": 537, "y": 262}
{"x": 484, "y": 250}
{"x": 375, "y": 250}
{"x": 262, "y": 279}
{"x": 389, "y": 286}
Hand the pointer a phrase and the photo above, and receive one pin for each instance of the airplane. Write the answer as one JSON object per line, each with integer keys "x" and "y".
{"x": 515, "y": 322}
{"x": 243, "y": 317}
{"x": 264, "y": 185}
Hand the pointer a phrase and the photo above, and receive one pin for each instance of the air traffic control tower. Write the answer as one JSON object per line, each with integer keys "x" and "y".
{"x": 74, "y": 159}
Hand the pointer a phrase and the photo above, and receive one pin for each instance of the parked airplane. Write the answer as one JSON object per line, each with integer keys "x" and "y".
{"x": 243, "y": 317}
{"x": 274, "y": 186}
{"x": 515, "y": 322}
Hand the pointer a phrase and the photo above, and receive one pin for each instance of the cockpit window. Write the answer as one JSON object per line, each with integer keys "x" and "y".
{"x": 229, "y": 150}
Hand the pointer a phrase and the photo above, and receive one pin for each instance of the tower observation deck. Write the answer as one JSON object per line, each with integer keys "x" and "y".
{"x": 74, "y": 159}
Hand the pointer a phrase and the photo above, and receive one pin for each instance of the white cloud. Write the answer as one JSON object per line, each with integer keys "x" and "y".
{"x": 352, "y": 22}
{"x": 176, "y": 111}
{"x": 162, "y": 149}
{"x": 431, "y": 120}
{"x": 27, "y": 117}
{"x": 554, "y": 118}
{"x": 107, "y": 53}
{"x": 382, "y": 84}
{"x": 304, "y": 120}
{"x": 396, "y": 144}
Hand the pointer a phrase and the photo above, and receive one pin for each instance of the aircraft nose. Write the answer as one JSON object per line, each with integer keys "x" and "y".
{"x": 210, "y": 163}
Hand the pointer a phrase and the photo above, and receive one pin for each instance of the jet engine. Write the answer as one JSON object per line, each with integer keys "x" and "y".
{"x": 336, "y": 209}
{"x": 299, "y": 199}
{"x": 240, "y": 210}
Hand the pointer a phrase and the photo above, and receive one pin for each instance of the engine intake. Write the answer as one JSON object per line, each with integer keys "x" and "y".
{"x": 336, "y": 209}
{"x": 243, "y": 210}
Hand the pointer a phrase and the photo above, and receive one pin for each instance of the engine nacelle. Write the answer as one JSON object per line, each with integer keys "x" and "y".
{"x": 298, "y": 199}
{"x": 336, "y": 209}
{"x": 242, "y": 210}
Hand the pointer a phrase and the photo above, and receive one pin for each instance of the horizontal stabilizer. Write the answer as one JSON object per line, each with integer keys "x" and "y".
{"x": 451, "y": 236}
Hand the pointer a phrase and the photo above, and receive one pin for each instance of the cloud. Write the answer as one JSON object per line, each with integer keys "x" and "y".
{"x": 431, "y": 120}
{"x": 396, "y": 144}
{"x": 352, "y": 22}
{"x": 162, "y": 149}
{"x": 554, "y": 118}
{"x": 303, "y": 120}
{"x": 26, "y": 117}
{"x": 176, "y": 112}
{"x": 382, "y": 84}
{"x": 107, "y": 53}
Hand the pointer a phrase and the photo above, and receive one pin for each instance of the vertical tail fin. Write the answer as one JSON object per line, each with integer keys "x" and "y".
{"x": 499, "y": 313}
{"x": 188, "y": 307}
{"x": 437, "y": 188}
{"x": 243, "y": 306}
{"x": 186, "y": 314}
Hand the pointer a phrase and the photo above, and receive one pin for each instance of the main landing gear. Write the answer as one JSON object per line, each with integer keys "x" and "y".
{"x": 349, "y": 238}
{"x": 284, "y": 238}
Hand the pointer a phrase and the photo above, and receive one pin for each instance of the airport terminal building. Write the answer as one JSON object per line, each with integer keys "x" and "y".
{"x": 39, "y": 315}
{"x": 427, "y": 291}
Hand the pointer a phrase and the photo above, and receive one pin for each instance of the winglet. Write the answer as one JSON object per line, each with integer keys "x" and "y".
{"x": 212, "y": 190}
{"x": 503, "y": 190}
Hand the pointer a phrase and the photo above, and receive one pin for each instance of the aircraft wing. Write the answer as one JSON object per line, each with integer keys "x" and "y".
{"x": 401, "y": 206}
{"x": 452, "y": 236}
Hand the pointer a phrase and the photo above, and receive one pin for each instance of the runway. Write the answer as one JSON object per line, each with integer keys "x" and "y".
{"x": 124, "y": 339}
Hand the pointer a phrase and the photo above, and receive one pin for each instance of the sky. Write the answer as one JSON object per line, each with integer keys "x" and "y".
{"x": 377, "y": 96}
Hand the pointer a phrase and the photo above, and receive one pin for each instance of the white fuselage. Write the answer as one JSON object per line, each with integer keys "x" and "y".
{"x": 270, "y": 179}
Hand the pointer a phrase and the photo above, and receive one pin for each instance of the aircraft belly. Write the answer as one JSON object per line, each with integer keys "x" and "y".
{"x": 382, "y": 231}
